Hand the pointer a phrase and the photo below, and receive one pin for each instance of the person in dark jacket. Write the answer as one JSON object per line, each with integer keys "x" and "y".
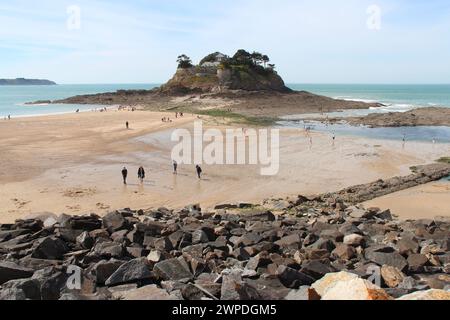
{"x": 175, "y": 167}
{"x": 124, "y": 175}
{"x": 199, "y": 171}
{"x": 141, "y": 174}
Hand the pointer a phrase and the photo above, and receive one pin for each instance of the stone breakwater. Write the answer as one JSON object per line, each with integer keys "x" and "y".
{"x": 298, "y": 249}
{"x": 422, "y": 175}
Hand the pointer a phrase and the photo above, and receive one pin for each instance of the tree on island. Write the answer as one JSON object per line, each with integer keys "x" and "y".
{"x": 184, "y": 62}
{"x": 254, "y": 60}
{"x": 257, "y": 58}
{"x": 242, "y": 57}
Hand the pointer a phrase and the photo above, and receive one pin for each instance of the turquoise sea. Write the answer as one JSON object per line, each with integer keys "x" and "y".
{"x": 395, "y": 97}
{"x": 13, "y": 98}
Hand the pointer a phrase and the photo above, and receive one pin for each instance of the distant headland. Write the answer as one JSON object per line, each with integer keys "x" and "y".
{"x": 26, "y": 82}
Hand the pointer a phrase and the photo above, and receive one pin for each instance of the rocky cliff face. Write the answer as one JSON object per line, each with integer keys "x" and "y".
{"x": 250, "y": 80}
{"x": 219, "y": 73}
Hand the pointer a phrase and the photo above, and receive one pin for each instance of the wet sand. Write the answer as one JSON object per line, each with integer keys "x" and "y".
{"x": 71, "y": 164}
{"x": 426, "y": 201}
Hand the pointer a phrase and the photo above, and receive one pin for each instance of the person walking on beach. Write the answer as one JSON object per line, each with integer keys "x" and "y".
{"x": 124, "y": 175}
{"x": 9, "y": 117}
{"x": 334, "y": 139}
{"x": 127, "y": 125}
{"x": 199, "y": 171}
{"x": 175, "y": 167}
{"x": 141, "y": 174}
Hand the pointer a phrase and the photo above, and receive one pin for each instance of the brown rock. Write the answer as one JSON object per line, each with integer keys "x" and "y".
{"x": 344, "y": 252}
{"x": 416, "y": 261}
{"x": 317, "y": 254}
{"x": 355, "y": 289}
{"x": 392, "y": 276}
{"x": 432, "y": 294}
{"x": 323, "y": 285}
{"x": 355, "y": 240}
{"x": 150, "y": 293}
{"x": 407, "y": 246}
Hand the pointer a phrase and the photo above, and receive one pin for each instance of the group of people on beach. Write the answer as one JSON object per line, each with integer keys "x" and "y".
{"x": 141, "y": 172}
{"x": 310, "y": 138}
{"x": 177, "y": 114}
{"x": 126, "y": 108}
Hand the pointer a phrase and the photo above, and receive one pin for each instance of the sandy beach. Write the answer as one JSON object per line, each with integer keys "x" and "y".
{"x": 71, "y": 164}
{"x": 429, "y": 200}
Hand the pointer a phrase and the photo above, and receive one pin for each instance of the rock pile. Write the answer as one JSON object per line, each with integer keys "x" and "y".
{"x": 422, "y": 175}
{"x": 302, "y": 249}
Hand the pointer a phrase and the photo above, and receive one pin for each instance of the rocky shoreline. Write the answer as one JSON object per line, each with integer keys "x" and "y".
{"x": 304, "y": 248}
{"x": 431, "y": 116}
{"x": 246, "y": 103}
{"x": 422, "y": 175}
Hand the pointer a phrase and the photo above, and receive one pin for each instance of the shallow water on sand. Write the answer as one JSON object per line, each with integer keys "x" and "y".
{"x": 419, "y": 133}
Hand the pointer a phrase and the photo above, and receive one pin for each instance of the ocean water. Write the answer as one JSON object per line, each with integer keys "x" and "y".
{"x": 13, "y": 98}
{"x": 395, "y": 97}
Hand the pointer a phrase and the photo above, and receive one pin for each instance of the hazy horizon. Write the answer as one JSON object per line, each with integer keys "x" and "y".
{"x": 287, "y": 83}
{"x": 311, "y": 42}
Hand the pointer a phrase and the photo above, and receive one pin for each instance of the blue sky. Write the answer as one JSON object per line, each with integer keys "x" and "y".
{"x": 310, "y": 41}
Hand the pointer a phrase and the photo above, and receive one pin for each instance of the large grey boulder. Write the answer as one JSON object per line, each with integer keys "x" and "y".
{"x": 173, "y": 269}
{"x": 50, "y": 248}
{"x": 11, "y": 271}
{"x": 132, "y": 271}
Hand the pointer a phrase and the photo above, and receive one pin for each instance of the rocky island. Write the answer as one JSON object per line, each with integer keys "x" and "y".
{"x": 244, "y": 84}
{"x": 26, "y": 82}
{"x": 218, "y": 73}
